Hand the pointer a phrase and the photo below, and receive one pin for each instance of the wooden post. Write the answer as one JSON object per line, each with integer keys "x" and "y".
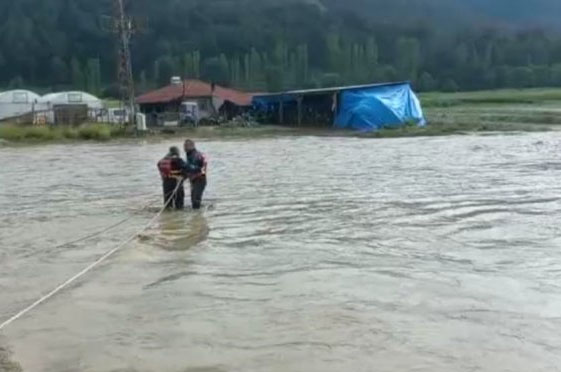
{"x": 299, "y": 102}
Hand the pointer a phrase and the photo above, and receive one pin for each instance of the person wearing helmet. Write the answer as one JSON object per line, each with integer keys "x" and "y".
{"x": 196, "y": 170}
{"x": 172, "y": 170}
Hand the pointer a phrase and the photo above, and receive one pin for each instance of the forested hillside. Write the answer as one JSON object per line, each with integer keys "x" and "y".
{"x": 476, "y": 13}
{"x": 275, "y": 44}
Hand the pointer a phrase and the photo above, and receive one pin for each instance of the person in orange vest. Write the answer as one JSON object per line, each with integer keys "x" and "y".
{"x": 173, "y": 171}
{"x": 196, "y": 172}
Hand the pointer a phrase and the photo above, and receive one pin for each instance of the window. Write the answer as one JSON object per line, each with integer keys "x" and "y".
{"x": 20, "y": 97}
{"x": 74, "y": 97}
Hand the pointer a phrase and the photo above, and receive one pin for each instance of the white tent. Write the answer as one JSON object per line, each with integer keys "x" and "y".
{"x": 70, "y": 98}
{"x": 16, "y": 103}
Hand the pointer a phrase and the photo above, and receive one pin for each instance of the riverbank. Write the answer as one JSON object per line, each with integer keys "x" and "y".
{"x": 99, "y": 133}
{"x": 527, "y": 110}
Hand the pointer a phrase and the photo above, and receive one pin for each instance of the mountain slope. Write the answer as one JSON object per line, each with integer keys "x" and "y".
{"x": 512, "y": 13}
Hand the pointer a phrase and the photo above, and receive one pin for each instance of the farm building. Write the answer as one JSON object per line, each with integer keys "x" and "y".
{"x": 210, "y": 99}
{"x": 69, "y": 108}
{"x": 363, "y": 107}
{"x": 17, "y": 103}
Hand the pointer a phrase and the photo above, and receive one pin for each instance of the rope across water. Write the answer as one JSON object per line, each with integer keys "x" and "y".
{"x": 92, "y": 265}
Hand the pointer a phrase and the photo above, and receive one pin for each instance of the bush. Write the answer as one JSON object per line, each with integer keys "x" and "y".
{"x": 11, "y": 133}
{"x": 70, "y": 133}
{"x": 40, "y": 133}
{"x": 98, "y": 132}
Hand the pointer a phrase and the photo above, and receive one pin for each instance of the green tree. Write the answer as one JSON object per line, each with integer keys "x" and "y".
{"x": 371, "y": 58}
{"x": 302, "y": 64}
{"x": 256, "y": 67}
{"x": 78, "y": 79}
{"x": 335, "y": 52}
{"x": 166, "y": 69}
{"x": 143, "y": 85}
{"x": 331, "y": 80}
{"x": 196, "y": 64}
{"x": 16, "y": 83}
{"x": 542, "y": 75}
{"x": 387, "y": 73}
{"x": 188, "y": 66}
{"x": 225, "y": 66}
{"x": 248, "y": 74}
{"x": 408, "y": 58}
{"x": 214, "y": 70}
{"x": 236, "y": 74}
{"x": 59, "y": 70}
{"x": 426, "y": 82}
{"x": 555, "y": 72}
{"x": 274, "y": 79}
{"x": 449, "y": 85}
{"x": 521, "y": 77}
{"x": 93, "y": 76}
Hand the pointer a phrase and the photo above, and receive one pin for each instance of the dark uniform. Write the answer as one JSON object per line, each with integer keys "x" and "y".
{"x": 172, "y": 170}
{"x": 196, "y": 169}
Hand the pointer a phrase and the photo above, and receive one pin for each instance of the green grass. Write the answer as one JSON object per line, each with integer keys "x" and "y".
{"x": 505, "y": 96}
{"x": 91, "y": 132}
{"x": 500, "y": 110}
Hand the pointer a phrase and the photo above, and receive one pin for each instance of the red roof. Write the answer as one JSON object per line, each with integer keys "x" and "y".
{"x": 194, "y": 89}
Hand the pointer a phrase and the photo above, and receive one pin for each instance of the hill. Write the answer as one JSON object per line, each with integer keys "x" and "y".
{"x": 273, "y": 45}
{"x": 458, "y": 13}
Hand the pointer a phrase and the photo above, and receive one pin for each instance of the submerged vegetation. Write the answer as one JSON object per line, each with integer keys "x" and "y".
{"x": 6, "y": 365}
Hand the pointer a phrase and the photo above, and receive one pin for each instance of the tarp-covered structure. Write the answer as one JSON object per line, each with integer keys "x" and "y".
{"x": 364, "y": 107}
{"x": 377, "y": 107}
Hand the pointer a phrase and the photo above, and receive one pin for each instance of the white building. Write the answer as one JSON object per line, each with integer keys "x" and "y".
{"x": 16, "y": 103}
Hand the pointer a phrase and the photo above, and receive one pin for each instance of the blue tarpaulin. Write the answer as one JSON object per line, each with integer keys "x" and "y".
{"x": 364, "y": 107}
{"x": 376, "y": 107}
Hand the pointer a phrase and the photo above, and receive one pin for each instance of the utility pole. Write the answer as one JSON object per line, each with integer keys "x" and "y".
{"x": 124, "y": 27}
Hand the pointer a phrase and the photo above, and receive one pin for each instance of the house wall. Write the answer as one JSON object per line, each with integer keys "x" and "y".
{"x": 208, "y": 107}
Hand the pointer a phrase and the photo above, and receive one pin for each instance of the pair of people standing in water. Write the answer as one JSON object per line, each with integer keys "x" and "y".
{"x": 174, "y": 170}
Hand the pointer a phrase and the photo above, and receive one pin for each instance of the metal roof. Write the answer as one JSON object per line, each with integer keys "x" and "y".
{"x": 330, "y": 90}
{"x": 194, "y": 89}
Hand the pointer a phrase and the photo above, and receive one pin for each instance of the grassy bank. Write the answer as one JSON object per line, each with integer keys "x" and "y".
{"x": 95, "y": 132}
{"x": 492, "y": 97}
{"x": 500, "y": 110}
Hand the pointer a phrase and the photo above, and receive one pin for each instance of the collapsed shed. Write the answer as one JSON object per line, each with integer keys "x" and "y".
{"x": 362, "y": 107}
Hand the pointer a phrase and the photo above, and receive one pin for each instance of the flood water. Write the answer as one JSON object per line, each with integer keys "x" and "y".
{"x": 317, "y": 254}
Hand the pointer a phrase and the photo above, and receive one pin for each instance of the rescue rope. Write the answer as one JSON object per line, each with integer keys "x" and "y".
{"x": 97, "y": 233}
{"x": 89, "y": 267}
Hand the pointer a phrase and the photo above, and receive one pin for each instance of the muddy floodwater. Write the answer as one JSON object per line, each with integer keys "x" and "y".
{"x": 313, "y": 255}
